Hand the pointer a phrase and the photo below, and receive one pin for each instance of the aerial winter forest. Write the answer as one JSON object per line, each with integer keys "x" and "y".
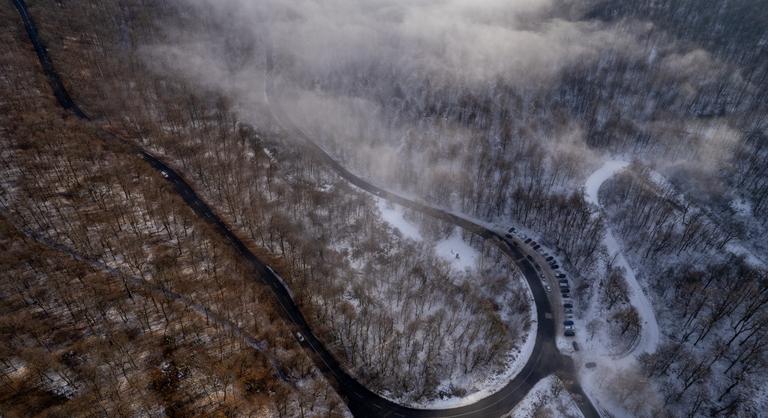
{"x": 384, "y": 208}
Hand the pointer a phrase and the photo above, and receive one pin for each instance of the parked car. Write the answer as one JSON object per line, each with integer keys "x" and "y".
{"x": 512, "y": 229}
{"x": 560, "y": 275}
{"x": 547, "y": 288}
{"x": 570, "y": 328}
{"x": 575, "y": 346}
{"x": 536, "y": 247}
{"x": 567, "y": 322}
{"x": 527, "y": 240}
{"x": 529, "y": 257}
{"x": 550, "y": 258}
{"x": 563, "y": 281}
{"x": 569, "y": 333}
{"x": 568, "y": 310}
{"x": 567, "y": 305}
{"x": 508, "y": 235}
{"x": 554, "y": 266}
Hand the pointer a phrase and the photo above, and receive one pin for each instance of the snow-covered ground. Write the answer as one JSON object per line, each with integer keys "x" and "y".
{"x": 457, "y": 251}
{"x": 649, "y": 339}
{"x": 547, "y": 394}
{"x": 393, "y": 214}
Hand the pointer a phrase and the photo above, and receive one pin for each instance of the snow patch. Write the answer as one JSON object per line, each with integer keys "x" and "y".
{"x": 393, "y": 214}
{"x": 457, "y": 252}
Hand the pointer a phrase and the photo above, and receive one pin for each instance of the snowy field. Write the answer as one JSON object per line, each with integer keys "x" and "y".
{"x": 458, "y": 252}
{"x": 393, "y": 214}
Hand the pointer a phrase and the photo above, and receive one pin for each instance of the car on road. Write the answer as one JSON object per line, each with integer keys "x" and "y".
{"x": 164, "y": 173}
{"x": 547, "y": 288}
{"x": 569, "y": 333}
{"x": 299, "y": 337}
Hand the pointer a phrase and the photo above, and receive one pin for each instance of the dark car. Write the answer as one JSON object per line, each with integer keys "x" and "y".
{"x": 565, "y": 292}
{"x": 536, "y": 247}
{"x": 569, "y": 333}
{"x": 527, "y": 240}
{"x": 564, "y": 281}
{"x": 529, "y": 257}
{"x": 508, "y": 235}
{"x": 567, "y": 305}
{"x": 550, "y": 258}
{"x": 560, "y": 275}
{"x": 512, "y": 229}
{"x": 567, "y": 322}
{"x": 554, "y": 266}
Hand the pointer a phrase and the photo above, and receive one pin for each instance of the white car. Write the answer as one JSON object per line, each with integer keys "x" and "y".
{"x": 299, "y": 337}
{"x": 164, "y": 173}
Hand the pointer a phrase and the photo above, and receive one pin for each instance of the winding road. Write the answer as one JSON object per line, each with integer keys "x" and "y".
{"x": 361, "y": 401}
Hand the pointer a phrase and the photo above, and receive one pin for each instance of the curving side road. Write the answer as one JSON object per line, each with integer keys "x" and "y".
{"x": 361, "y": 401}
{"x": 546, "y": 358}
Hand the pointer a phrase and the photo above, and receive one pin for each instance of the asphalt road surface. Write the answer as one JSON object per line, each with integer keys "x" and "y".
{"x": 362, "y": 402}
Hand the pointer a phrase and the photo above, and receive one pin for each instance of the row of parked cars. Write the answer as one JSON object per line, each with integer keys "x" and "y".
{"x": 565, "y": 287}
